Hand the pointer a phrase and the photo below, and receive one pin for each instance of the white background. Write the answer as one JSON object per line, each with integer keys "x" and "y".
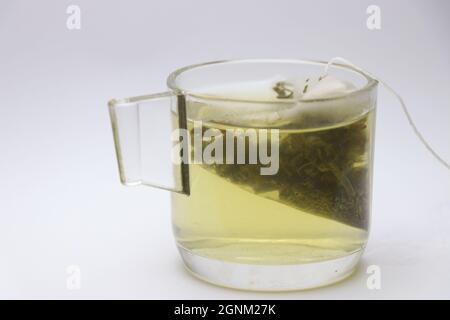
{"x": 61, "y": 202}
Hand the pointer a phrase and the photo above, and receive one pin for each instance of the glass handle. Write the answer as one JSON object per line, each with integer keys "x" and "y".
{"x": 147, "y": 140}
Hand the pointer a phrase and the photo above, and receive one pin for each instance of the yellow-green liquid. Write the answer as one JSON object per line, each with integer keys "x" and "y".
{"x": 317, "y": 207}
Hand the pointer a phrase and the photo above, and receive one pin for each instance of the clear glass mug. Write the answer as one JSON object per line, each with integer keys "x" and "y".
{"x": 305, "y": 225}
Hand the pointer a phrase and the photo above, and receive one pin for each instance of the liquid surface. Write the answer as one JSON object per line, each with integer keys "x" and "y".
{"x": 315, "y": 208}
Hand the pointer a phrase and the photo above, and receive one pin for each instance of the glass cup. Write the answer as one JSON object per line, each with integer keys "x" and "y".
{"x": 271, "y": 187}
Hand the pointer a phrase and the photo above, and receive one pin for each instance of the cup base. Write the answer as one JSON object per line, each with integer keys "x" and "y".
{"x": 257, "y": 277}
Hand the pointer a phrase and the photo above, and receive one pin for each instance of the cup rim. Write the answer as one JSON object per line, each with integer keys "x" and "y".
{"x": 171, "y": 80}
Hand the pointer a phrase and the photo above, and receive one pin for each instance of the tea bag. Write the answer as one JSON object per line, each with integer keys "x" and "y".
{"x": 315, "y": 105}
{"x": 322, "y": 172}
{"x": 316, "y": 169}
{"x": 327, "y": 87}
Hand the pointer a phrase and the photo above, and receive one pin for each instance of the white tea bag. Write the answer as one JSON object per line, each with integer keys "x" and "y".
{"x": 327, "y": 87}
{"x": 311, "y": 109}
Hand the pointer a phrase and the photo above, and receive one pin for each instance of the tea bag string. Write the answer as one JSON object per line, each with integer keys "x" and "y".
{"x": 402, "y": 104}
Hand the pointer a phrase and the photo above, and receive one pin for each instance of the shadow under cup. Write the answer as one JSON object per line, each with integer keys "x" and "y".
{"x": 303, "y": 225}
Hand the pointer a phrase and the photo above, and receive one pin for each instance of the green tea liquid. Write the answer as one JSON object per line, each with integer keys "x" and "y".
{"x": 315, "y": 208}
